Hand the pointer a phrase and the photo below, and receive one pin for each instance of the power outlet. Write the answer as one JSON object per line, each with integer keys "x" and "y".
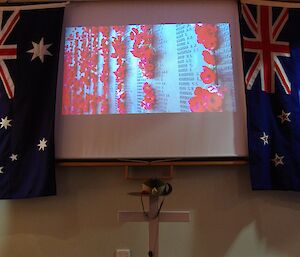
{"x": 122, "y": 253}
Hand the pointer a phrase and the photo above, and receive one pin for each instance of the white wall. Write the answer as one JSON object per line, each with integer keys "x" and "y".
{"x": 228, "y": 219}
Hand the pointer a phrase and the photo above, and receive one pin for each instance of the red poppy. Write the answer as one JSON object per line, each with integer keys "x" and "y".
{"x": 123, "y": 95}
{"x": 208, "y": 76}
{"x": 119, "y": 29}
{"x": 131, "y": 35}
{"x": 208, "y": 57}
{"x": 121, "y": 106}
{"x": 207, "y": 100}
{"x": 145, "y": 28}
{"x": 214, "y": 102}
{"x": 207, "y": 35}
{"x": 149, "y": 98}
{"x": 103, "y": 30}
{"x": 143, "y": 50}
{"x": 210, "y": 43}
{"x": 206, "y": 29}
{"x": 119, "y": 54}
{"x": 148, "y": 52}
{"x": 196, "y": 104}
{"x": 135, "y": 30}
{"x": 146, "y": 87}
{"x": 199, "y": 91}
{"x": 104, "y": 106}
{"x": 147, "y": 105}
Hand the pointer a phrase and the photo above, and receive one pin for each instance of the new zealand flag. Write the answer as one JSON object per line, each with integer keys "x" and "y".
{"x": 29, "y": 51}
{"x": 271, "y": 46}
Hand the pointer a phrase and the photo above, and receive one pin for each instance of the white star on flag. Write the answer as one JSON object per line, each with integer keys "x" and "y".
{"x": 284, "y": 116}
{"x": 42, "y": 145}
{"x": 265, "y": 138}
{"x": 278, "y": 160}
{"x": 39, "y": 50}
{"x": 1, "y": 170}
{"x": 13, "y": 157}
{"x": 5, "y": 123}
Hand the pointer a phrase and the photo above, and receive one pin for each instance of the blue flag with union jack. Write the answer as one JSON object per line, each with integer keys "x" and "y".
{"x": 29, "y": 51}
{"x": 271, "y": 53}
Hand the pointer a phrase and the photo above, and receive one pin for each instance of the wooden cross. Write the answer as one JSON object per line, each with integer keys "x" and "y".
{"x": 153, "y": 219}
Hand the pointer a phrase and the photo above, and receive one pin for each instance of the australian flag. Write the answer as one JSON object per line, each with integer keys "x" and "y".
{"x": 271, "y": 52}
{"x": 29, "y": 51}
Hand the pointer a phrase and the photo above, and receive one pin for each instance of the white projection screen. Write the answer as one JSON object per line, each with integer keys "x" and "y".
{"x": 162, "y": 115}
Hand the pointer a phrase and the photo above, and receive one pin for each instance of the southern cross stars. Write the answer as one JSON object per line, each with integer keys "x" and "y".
{"x": 13, "y": 157}
{"x": 39, "y": 50}
{"x": 284, "y": 116}
{"x": 278, "y": 160}
{"x": 42, "y": 145}
{"x": 265, "y": 138}
{"x": 5, "y": 123}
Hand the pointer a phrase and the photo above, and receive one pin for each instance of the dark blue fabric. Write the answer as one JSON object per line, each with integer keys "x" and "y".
{"x": 263, "y": 110}
{"x": 32, "y": 109}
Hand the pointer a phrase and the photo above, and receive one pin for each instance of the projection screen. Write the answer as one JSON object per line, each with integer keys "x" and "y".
{"x": 155, "y": 80}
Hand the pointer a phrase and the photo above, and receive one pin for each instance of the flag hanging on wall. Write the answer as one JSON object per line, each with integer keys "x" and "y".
{"x": 29, "y": 51}
{"x": 271, "y": 52}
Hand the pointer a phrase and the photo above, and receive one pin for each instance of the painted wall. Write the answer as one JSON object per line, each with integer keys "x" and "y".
{"x": 227, "y": 218}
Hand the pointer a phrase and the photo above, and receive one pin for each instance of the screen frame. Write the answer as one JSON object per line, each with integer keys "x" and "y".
{"x": 167, "y": 14}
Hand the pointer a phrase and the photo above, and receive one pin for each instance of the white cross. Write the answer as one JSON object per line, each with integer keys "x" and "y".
{"x": 153, "y": 219}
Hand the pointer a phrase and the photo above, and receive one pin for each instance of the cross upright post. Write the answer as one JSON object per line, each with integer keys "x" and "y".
{"x": 153, "y": 217}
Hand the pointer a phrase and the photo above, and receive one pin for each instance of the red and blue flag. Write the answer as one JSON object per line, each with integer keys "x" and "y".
{"x": 271, "y": 53}
{"x": 29, "y": 51}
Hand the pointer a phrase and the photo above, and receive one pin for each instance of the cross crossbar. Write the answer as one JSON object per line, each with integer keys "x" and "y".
{"x": 153, "y": 219}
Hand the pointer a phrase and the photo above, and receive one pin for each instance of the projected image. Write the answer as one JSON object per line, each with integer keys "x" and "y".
{"x": 148, "y": 69}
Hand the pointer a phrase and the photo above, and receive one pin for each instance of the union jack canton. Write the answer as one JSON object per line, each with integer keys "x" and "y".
{"x": 271, "y": 54}
{"x": 7, "y": 52}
